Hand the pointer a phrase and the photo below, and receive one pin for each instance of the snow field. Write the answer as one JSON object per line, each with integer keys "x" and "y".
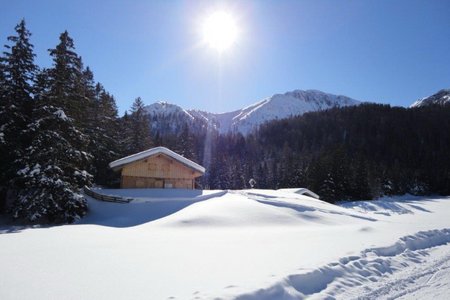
{"x": 251, "y": 244}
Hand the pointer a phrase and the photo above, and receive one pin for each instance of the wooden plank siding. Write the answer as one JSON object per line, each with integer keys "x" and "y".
{"x": 158, "y": 171}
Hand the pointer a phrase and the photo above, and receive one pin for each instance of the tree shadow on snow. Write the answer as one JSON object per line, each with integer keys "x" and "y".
{"x": 8, "y": 225}
{"x": 392, "y": 205}
{"x": 136, "y": 213}
{"x": 11, "y": 229}
{"x": 265, "y": 199}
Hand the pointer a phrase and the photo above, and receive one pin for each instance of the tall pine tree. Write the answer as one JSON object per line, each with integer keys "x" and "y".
{"x": 185, "y": 144}
{"x": 67, "y": 88}
{"x": 53, "y": 168}
{"x": 17, "y": 73}
{"x": 104, "y": 136}
{"x": 138, "y": 128}
{"x": 52, "y": 171}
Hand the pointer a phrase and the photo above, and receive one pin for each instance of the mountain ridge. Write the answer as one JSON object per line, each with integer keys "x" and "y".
{"x": 442, "y": 98}
{"x": 249, "y": 118}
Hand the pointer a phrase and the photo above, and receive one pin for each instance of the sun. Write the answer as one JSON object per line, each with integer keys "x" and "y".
{"x": 220, "y": 31}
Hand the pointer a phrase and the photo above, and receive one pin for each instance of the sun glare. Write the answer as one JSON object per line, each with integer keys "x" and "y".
{"x": 220, "y": 31}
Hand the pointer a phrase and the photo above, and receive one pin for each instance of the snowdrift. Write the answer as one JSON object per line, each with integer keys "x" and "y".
{"x": 216, "y": 208}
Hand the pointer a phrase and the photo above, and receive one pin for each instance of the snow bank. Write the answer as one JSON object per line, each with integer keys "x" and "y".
{"x": 189, "y": 208}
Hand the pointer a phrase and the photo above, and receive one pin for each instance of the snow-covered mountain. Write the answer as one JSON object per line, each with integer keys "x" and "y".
{"x": 279, "y": 106}
{"x": 170, "y": 118}
{"x": 440, "y": 98}
{"x": 245, "y": 120}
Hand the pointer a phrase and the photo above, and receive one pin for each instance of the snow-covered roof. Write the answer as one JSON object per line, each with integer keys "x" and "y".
{"x": 118, "y": 164}
{"x": 302, "y": 191}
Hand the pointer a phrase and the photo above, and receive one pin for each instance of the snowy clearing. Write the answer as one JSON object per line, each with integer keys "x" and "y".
{"x": 251, "y": 244}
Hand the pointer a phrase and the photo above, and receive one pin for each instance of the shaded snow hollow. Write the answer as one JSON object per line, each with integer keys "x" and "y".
{"x": 250, "y": 244}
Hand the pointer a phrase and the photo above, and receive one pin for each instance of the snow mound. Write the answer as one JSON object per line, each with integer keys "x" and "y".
{"x": 261, "y": 208}
{"x": 195, "y": 208}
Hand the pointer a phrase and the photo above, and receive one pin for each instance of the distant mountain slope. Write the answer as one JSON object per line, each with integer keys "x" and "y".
{"x": 245, "y": 120}
{"x": 440, "y": 98}
{"x": 170, "y": 118}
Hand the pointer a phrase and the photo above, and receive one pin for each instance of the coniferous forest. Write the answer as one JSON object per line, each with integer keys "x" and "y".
{"x": 59, "y": 129}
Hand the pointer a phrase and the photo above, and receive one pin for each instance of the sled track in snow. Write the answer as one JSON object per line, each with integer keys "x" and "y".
{"x": 360, "y": 276}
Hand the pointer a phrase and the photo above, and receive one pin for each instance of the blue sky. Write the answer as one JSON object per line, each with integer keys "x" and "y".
{"x": 382, "y": 51}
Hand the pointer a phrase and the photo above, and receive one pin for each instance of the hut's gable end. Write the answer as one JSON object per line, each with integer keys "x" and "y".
{"x": 159, "y": 166}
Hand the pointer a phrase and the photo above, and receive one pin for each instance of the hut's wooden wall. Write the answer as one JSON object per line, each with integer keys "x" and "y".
{"x": 159, "y": 171}
{"x": 147, "y": 182}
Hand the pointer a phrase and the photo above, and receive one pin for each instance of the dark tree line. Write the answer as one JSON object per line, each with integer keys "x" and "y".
{"x": 358, "y": 152}
{"x": 352, "y": 153}
{"x": 59, "y": 129}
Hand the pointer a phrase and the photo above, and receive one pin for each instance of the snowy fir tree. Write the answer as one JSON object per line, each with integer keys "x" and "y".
{"x": 361, "y": 188}
{"x": 3, "y": 120}
{"x": 103, "y": 132}
{"x": 92, "y": 109}
{"x": 139, "y": 128}
{"x": 327, "y": 189}
{"x": 185, "y": 144}
{"x": 66, "y": 80}
{"x": 17, "y": 73}
{"x": 52, "y": 170}
{"x": 50, "y": 120}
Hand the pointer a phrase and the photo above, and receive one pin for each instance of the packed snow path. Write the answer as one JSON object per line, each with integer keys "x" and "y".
{"x": 253, "y": 244}
{"x": 416, "y": 266}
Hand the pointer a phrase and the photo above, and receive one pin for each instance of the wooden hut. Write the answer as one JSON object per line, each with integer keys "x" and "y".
{"x": 157, "y": 168}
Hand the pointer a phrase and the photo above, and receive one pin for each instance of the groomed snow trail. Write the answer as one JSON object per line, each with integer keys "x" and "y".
{"x": 415, "y": 267}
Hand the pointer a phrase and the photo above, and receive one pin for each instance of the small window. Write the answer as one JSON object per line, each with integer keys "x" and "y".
{"x": 168, "y": 185}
